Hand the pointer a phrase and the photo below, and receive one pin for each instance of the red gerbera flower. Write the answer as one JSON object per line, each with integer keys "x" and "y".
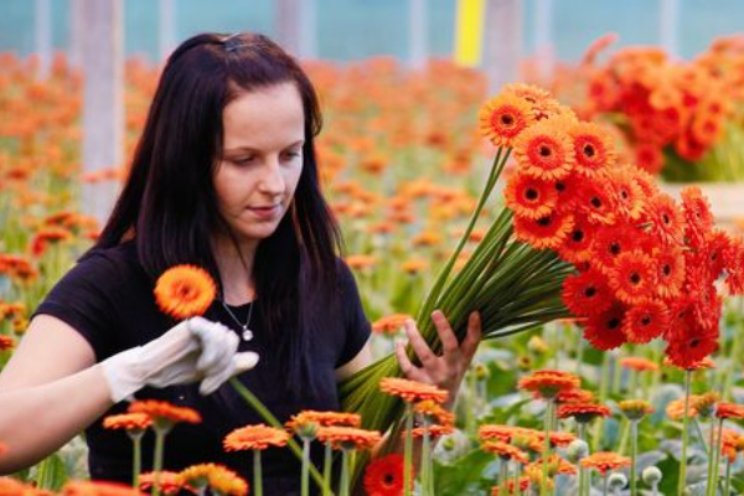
{"x": 734, "y": 261}
{"x": 568, "y": 190}
{"x": 688, "y": 345}
{"x": 633, "y": 278}
{"x": 671, "y": 271}
{"x": 627, "y": 194}
{"x": 665, "y": 218}
{"x": 697, "y": 214}
{"x": 577, "y": 245}
{"x": 549, "y": 231}
{"x": 604, "y": 331}
{"x": 586, "y": 293}
{"x": 646, "y": 321}
{"x": 384, "y": 476}
{"x": 596, "y": 201}
{"x": 610, "y": 242}
{"x": 530, "y": 197}
{"x": 544, "y": 150}
{"x": 648, "y": 156}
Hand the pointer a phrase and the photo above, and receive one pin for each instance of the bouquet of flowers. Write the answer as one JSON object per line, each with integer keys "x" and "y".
{"x": 580, "y": 234}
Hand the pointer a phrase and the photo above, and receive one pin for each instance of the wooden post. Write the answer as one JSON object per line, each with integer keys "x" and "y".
{"x": 167, "y": 30}
{"x": 417, "y": 33}
{"x": 43, "y": 37}
{"x": 103, "y": 103}
{"x": 503, "y": 42}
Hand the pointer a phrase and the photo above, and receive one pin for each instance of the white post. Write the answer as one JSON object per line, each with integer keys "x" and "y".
{"x": 287, "y": 22}
{"x": 503, "y": 42}
{"x": 668, "y": 23}
{"x": 417, "y": 27}
{"x": 544, "y": 48}
{"x": 76, "y": 33}
{"x": 43, "y": 37}
{"x": 309, "y": 30}
{"x": 167, "y": 30}
{"x": 103, "y": 103}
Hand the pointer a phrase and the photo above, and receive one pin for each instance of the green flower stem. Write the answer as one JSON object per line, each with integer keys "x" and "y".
{"x": 685, "y": 435}
{"x": 408, "y": 451}
{"x": 633, "y": 456}
{"x": 713, "y": 482}
{"x": 503, "y": 477}
{"x": 136, "y": 437}
{"x": 427, "y": 482}
{"x": 344, "y": 489}
{"x": 160, "y": 433}
{"x": 582, "y": 470}
{"x": 624, "y": 437}
{"x": 257, "y": 475}
{"x": 517, "y": 476}
{"x": 546, "y": 451}
{"x": 305, "y": 478}
{"x": 701, "y": 436}
{"x": 727, "y": 484}
{"x": 259, "y": 407}
{"x": 605, "y": 483}
{"x": 327, "y": 464}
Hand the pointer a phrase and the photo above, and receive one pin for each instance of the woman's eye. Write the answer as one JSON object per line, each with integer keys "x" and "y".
{"x": 291, "y": 155}
{"x": 242, "y": 160}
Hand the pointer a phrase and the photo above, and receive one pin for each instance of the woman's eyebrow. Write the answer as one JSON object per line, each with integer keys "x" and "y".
{"x": 246, "y": 148}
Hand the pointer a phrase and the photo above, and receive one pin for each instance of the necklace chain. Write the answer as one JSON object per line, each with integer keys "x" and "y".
{"x": 246, "y": 333}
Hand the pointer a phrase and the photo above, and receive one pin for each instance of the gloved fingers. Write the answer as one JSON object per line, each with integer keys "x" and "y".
{"x": 212, "y": 338}
{"x": 221, "y": 351}
{"x": 240, "y": 362}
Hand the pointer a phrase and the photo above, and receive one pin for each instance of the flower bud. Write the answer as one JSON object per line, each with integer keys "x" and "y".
{"x": 651, "y": 475}
{"x": 577, "y": 450}
{"x": 617, "y": 481}
{"x": 537, "y": 345}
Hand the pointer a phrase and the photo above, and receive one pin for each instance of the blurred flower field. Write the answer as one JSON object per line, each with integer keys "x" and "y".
{"x": 403, "y": 165}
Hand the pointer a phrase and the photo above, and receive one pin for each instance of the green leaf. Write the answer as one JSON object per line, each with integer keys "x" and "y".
{"x": 456, "y": 477}
{"x": 51, "y": 473}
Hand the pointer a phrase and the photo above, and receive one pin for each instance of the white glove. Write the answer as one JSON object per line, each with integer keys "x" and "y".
{"x": 194, "y": 350}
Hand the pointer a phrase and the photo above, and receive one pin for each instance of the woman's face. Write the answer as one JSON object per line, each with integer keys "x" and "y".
{"x": 262, "y": 159}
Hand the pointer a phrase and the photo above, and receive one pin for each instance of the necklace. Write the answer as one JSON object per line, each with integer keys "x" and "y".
{"x": 246, "y": 333}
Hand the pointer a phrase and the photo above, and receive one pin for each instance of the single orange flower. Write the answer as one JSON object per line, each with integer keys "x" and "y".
{"x": 544, "y": 150}
{"x": 548, "y": 383}
{"x": 635, "y": 409}
{"x": 412, "y": 391}
{"x": 128, "y": 421}
{"x": 185, "y": 291}
{"x": 638, "y": 364}
{"x": 505, "y": 451}
{"x": 604, "y": 461}
{"x": 217, "y": 477}
{"x": 349, "y": 437}
{"x": 729, "y": 410}
{"x": 168, "y": 482}
{"x": 583, "y": 412}
{"x": 163, "y": 412}
{"x": 503, "y": 118}
{"x": 98, "y": 488}
{"x": 255, "y": 437}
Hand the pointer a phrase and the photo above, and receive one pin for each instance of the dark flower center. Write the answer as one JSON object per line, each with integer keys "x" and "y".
{"x": 545, "y": 151}
{"x": 646, "y": 320}
{"x": 596, "y": 202}
{"x": 531, "y": 194}
{"x": 590, "y": 291}
{"x": 666, "y": 269}
{"x": 578, "y": 236}
{"x": 545, "y": 221}
{"x": 589, "y": 150}
{"x": 613, "y": 323}
{"x": 615, "y": 248}
{"x": 507, "y": 119}
{"x": 635, "y": 278}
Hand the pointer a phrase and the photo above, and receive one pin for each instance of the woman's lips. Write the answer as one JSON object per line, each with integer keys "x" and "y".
{"x": 265, "y": 212}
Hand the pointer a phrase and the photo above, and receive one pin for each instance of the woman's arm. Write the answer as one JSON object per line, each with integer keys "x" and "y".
{"x": 50, "y": 390}
{"x": 360, "y": 361}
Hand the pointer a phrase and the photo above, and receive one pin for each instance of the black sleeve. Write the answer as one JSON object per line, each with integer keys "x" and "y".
{"x": 356, "y": 326}
{"x": 85, "y": 298}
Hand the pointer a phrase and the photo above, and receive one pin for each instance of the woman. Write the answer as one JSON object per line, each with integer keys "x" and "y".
{"x": 224, "y": 177}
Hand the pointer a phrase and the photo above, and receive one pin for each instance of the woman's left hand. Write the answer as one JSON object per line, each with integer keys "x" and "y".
{"x": 446, "y": 370}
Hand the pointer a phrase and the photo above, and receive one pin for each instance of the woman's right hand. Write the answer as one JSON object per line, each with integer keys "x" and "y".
{"x": 194, "y": 350}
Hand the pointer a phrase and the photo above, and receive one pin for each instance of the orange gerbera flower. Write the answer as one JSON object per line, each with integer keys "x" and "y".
{"x": 360, "y": 262}
{"x": 729, "y": 410}
{"x": 583, "y": 412}
{"x": 646, "y": 321}
{"x": 255, "y": 437}
{"x": 595, "y": 200}
{"x": 638, "y": 364}
{"x": 390, "y": 324}
{"x": 168, "y": 482}
{"x": 184, "y": 291}
{"x": 530, "y": 197}
{"x": 628, "y": 195}
{"x": 587, "y": 293}
{"x": 633, "y": 278}
{"x": 604, "y": 461}
{"x": 505, "y": 451}
{"x": 412, "y": 391}
{"x": 128, "y": 421}
{"x": 307, "y": 418}
{"x": 574, "y": 396}
{"x": 697, "y": 214}
{"x": 434, "y": 412}
{"x": 556, "y": 465}
{"x": 544, "y": 150}
{"x": 675, "y": 409}
{"x": 98, "y": 488}
{"x": 384, "y": 476}
{"x": 217, "y": 477}
{"x": 593, "y": 148}
{"x": 670, "y": 275}
{"x": 548, "y": 383}
{"x": 434, "y": 431}
{"x": 648, "y": 156}
{"x": 549, "y": 231}
{"x": 6, "y": 342}
{"x": 635, "y": 409}
{"x": 11, "y": 487}
{"x": 503, "y": 118}
{"x": 164, "y": 413}
{"x": 348, "y": 437}
{"x": 604, "y": 331}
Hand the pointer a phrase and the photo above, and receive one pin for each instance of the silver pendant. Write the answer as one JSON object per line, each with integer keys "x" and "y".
{"x": 247, "y": 334}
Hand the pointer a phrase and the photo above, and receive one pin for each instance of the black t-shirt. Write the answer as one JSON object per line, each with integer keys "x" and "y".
{"x": 108, "y": 298}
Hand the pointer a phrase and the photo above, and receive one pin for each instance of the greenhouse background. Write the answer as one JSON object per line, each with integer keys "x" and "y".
{"x": 571, "y": 170}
